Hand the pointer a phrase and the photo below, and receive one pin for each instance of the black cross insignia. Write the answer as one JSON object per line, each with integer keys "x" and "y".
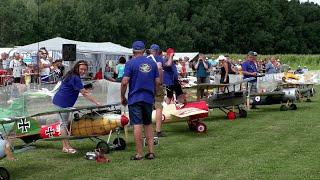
{"x": 49, "y": 132}
{"x": 24, "y": 125}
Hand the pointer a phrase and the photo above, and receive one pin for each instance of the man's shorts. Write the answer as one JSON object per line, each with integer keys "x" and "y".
{"x": 176, "y": 88}
{"x": 140, "y": 113}
{"x": 159, "y": 98}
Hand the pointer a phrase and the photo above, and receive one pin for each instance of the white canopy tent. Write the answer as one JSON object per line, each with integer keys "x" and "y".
{"x": 101, "y": 51}
{"x": 190, "y": 55}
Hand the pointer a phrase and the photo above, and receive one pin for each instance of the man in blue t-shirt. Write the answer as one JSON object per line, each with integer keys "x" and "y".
{"x": 142, "y": 76}
{"x": 156, "y": 55}
{"x": 170, "y": 78}
{"x": 249, "y": 69}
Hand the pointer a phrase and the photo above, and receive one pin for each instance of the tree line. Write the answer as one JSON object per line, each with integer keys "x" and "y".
{"x": 208, "y": 26}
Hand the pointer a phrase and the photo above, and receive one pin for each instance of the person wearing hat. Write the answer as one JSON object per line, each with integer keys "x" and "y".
{"x": 249, "y": 69}
{"x": 155, "y": 55}
{"x": 142, "y": 76}
{"x": 201, "y": 68}
{"x": 170, "y": 78}
{"x": 224, "y": 67}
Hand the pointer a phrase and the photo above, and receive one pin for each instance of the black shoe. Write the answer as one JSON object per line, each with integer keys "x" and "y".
{"x": 150, "y": 156}
{"x": 160, "y": 134}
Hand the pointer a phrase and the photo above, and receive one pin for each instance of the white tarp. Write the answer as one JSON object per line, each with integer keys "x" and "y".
{"x": 55, "y": 44}
{"x": 190, "y": 55}
{"x": 6, "y": 50}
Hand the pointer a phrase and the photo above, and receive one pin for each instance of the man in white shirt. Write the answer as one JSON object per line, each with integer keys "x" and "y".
{"x": 44, "y": 66}
{"x": 16, "y": 68}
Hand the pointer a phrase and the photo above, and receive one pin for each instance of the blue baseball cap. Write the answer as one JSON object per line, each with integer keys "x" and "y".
{"x": 138, "y": 46}
{"x": 155, "y": 47}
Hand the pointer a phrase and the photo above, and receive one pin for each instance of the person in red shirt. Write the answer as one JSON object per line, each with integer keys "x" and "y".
{"x": 98, "y": 74}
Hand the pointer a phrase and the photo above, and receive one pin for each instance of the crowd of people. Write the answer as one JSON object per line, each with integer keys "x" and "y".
{"x": 153, "y": 77}
{"x": 13, "y": 69}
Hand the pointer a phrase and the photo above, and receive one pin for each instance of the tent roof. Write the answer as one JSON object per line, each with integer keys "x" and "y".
{"x": 191, "y": 55}
{"x": 55, "y": 44}
{"x": 6, "y": 50}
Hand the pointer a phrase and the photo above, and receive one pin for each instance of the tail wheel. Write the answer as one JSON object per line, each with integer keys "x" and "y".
{"x": 104, "y": 146}
{"x": 242, "y": 113}
{"x": 231, "y": 115}
{"x": 4, "y": 173}
{"x": 120, "y": 144}
{"x": 163, "y": 117}
{"x": 283, "y": 108}
{"x": 201, "y": 127}
{"x": 293, "y": 107}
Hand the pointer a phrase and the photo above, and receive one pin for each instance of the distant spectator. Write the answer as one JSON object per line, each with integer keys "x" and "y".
{"x": 5, "y": 61}
{"x": 272, "y": 66}
{"x": 305, "y": 69}
{"x": 44, "y": 66}
{"x": 108, "y": 74}
{"x": 201, "y": 66}
{"x": 16, "y": 68}
{"x": 299, "y": 70}
{"x": 249, "y": 69}
{"x": 98, "y": 75}
{"x": 120, "y": 68}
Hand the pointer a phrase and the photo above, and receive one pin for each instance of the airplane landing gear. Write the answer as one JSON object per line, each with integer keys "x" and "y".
{"x": 231, "y": 115}
{"x": 119, "y": 144}
{"x": 293, "y": 107}
{"x": 103, "y": 146}
{"x": 197, "y": 126}
{"x": 242, "y": 113}
{"x": 283, "y": 108}
{"x": 4, "y": 174}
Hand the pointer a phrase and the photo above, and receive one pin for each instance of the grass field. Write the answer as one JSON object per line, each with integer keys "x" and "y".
{"x": 268, "y": 144}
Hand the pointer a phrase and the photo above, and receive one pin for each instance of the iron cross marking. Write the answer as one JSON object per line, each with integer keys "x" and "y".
{"x": 24, "y": 125}
{"x": 49, "y": 132}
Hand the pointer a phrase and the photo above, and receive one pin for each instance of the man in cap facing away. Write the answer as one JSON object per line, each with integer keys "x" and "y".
{"x": 155, "y": 56}
{"x": 142, "y": 76}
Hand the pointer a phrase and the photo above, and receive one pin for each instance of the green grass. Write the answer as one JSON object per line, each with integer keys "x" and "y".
{"x": 268, "y": 144}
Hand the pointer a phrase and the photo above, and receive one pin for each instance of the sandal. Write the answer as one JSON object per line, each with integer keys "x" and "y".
{"x": 150, "y": 156}
{"x": 136, "y": 157}
{"x": 69, "y": 150}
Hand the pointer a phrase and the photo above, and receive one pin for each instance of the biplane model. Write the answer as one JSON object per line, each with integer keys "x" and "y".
{"x": 288, "y": 91}
{"x": 192, "y": 112}
{"x": 88, "y": 122}
{"x": 229, "y": 98}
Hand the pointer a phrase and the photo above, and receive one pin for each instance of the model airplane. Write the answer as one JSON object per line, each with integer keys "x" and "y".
{"x": 88, "y": 122}
{"x": 227, "y": 98}
{"x": 191, "y": 112}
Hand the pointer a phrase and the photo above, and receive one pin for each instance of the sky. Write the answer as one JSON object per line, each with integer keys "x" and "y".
{"x": 316, "y": 1}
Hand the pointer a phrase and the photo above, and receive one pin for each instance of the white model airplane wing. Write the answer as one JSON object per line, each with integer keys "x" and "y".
{"x": 186, "y": 112}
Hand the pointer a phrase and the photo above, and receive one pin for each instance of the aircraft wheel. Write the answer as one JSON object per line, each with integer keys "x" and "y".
{"x": 231, "y": 115}
{"x": 242, "y": 113}
{"x": 4, "y": 174}
{"x": 293, "y": 107}
{"x": 103, "y": 146}
{"x": 283, "y": 108}
{"x": 201, "y": 127}
{"x": 120, "y": 144}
